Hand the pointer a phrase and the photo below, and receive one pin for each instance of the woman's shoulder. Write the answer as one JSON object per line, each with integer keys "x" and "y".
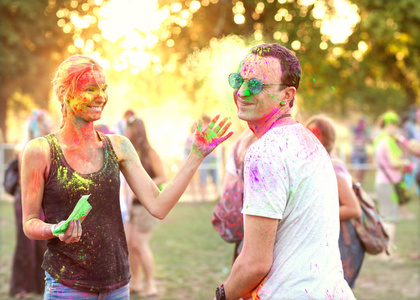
{"x": 121, "y": 144}
{"x": 37, "y": 150}
{"x": 37, "y": 145}
{"x": 116, "y": 139}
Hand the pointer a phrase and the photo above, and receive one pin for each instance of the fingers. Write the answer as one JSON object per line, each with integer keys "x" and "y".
{"x": 224, "y": 129}
{"x": 73, "y": 232}
{"x": 199, "y": 126}
{"x": 213, "y": 122}
{"x": 224, "y": 138}
{"x": 221, "y": 124}
{"x": 79, "y": 230}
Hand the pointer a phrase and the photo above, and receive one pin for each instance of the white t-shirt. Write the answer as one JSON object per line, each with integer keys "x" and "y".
{"x": 289, "y": 176}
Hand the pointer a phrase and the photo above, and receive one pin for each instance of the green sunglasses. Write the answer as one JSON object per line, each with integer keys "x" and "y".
{"x": 255, "y": 85}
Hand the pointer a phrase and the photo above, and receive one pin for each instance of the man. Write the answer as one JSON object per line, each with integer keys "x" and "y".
{"x": 291, "y": 218}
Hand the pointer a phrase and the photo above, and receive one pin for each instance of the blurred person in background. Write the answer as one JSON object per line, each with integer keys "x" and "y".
{"x": 359, "y": 156}
{"x": 391, "y": 163}
{"x": 351, "y": 248}
{"x": 122, "y": 124}
{"x": 193, "y": 186}
{"x": 141, "y": 223}
{"x": 91, "y": 261}
{"x": 103, "y": 128}
{"x": 234, "y": 172}
{"x": 125, "y": 191}
{"x": 27, "y": 275}
{"x": 409, "y": 139}
{"x": 208, "y": 167}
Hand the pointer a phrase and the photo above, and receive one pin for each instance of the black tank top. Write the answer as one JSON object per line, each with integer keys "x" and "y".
{"x": 99, "y": 261}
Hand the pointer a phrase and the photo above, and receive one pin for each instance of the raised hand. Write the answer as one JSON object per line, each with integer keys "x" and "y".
{"x": 208, "y": 138}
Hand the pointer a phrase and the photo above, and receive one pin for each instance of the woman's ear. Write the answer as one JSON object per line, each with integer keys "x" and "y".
{"x": 61, "y": 92}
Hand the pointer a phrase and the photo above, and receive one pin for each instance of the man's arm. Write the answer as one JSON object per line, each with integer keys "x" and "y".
{"x": 256, "y": 258}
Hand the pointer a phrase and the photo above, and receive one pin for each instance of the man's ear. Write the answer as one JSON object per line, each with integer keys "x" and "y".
{"x": 290, "y": 93}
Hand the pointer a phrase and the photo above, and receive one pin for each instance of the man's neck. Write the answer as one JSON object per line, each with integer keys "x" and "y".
{"x": 277, "y": 118}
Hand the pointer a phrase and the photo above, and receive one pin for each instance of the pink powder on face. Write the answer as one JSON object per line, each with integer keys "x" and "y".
{"x": 90, "y": 87}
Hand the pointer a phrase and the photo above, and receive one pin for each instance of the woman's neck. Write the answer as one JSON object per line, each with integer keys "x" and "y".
{"x": 78, "y": 134}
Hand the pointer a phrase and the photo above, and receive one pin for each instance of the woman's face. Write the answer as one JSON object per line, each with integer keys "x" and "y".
{"x": 90, "y": 96}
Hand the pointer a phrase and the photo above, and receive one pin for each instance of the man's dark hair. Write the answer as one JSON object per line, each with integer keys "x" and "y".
{"x": 289, "y": 63}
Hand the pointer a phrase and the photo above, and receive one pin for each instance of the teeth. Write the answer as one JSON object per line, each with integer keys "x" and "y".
{"x": 97, "y": 108}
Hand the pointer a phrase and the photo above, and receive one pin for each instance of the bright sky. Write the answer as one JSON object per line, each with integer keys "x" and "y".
{"x": 136, "y": 24}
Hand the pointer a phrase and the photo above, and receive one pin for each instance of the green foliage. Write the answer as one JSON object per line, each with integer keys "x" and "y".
{"x": 32, "y": 46}
{"x": 374, "y": 69}
{"x": 340, "y": 78}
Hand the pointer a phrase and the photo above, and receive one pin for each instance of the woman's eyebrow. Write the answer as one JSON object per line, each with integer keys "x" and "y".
{"x": 91, "y": 84}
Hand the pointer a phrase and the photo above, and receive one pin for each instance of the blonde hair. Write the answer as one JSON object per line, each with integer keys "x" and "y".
{"x": 67, "y": 76}
{"x": 324, "y": 130}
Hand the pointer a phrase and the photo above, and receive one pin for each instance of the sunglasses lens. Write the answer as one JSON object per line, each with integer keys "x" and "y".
{"x": 255, "y": 85}
{"x": 235, "y": 80}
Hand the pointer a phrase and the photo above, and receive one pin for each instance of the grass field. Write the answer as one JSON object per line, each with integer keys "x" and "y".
{"x": 191, "y": 259}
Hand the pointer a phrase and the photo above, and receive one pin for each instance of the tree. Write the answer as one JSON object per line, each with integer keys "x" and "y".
{"x": 373, "y": 69}
{"x": 32, "y": 45}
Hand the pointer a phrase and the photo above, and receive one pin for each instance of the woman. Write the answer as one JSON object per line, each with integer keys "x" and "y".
{"x": 27, "y": 275}
{"x": 351, "y": 248}
{"x": 391, "y": 164}
{"x": 141, "y": 224}
{"x": 234, "y": 172}
{"x": 359, "y": 154}
{"x": 91, "y": 261}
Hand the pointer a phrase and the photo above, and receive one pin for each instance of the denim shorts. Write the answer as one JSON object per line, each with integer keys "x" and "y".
{"x": 56, "y": 291}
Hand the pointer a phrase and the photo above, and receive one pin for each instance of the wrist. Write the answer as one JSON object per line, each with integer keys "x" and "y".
{"x": 53, "y": 227}
{"x": 196, "y": 156}
{"x": 220, "y": 293}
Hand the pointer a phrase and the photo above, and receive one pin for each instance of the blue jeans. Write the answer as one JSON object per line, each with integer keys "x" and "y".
{"x": 57, "y": 291}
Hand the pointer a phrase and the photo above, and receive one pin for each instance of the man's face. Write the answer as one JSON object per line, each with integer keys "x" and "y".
{"x": 257, "y": 108}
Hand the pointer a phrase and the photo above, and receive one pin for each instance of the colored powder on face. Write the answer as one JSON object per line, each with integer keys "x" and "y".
{"x": 63, "y": 268}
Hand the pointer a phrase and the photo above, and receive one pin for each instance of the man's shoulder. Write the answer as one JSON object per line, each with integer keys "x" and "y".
{"x": 275, "y": 142}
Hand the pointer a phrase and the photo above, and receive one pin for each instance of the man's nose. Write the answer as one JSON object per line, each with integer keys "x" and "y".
{"x": 243, "y": 91}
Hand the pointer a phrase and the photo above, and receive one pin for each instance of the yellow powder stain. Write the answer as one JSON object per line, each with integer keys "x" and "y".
{"x": 75, "y": 182}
